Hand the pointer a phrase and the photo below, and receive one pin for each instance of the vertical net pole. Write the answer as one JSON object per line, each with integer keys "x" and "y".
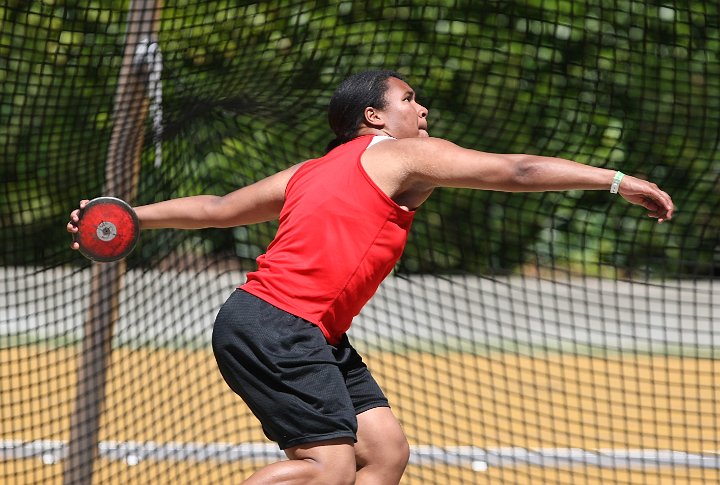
{"x": 121, "y": 180}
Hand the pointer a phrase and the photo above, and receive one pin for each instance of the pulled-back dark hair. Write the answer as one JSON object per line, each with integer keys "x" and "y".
{"x": 348, "y": 102}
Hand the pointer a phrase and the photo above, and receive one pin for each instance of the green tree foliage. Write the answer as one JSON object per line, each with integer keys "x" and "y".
{"x": 629, "y": 85}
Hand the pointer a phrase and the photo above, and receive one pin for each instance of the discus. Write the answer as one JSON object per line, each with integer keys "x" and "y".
{"x": 108, "y": 229}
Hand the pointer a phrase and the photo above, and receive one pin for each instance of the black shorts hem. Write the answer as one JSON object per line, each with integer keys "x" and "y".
{"x": 284, "y": 445}
{"x": 332, "y": 436}
{"x": 372, "y": 405}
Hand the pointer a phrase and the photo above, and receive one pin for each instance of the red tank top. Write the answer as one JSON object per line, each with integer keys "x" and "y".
{"x": 339, "y": 237}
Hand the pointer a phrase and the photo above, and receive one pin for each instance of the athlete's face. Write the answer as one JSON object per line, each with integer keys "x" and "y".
{"x": 403, "y": 116}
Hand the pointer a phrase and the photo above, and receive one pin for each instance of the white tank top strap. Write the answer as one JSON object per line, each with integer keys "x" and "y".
{"x": 378, "y": 139}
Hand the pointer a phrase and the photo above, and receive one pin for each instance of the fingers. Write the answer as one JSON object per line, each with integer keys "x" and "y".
{"x": 661, "y": 215}
{"x": 669, "y": 208}
{"x": 657, "y": 208}
{"x": 74, "y": 219}
{"x": 75, "y": 215}
{"x": 72, "y": 229}
{"x": 665, "y": 208}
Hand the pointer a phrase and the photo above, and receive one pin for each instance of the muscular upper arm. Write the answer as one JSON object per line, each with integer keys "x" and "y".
{"x": 433, "y": 162}
{"x": 259, "y": 202}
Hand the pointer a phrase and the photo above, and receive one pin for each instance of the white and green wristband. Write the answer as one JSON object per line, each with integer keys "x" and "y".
{"x": 615, "y": 186}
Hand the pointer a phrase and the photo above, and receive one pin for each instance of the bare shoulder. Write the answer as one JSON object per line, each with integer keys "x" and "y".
{"x": 413, "y": 148}
{"x": 290, "y": 171}
{"x": 282, "y": 177}
{"x": 399, "y": 167}
{"x": 415, "y": 158}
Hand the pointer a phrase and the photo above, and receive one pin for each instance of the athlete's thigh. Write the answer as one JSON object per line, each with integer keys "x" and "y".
{"x": 333, "y": 460}
{"x": 334, "y": 450}
{"x": 380, "y": 438}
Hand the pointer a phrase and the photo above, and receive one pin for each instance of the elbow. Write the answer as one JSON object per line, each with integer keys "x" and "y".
{"x": 525, "y": 170}
{"x": 211, "y": 212}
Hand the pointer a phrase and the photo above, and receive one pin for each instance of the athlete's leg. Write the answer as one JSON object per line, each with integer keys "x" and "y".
{"x": 327, "y": 463}
{"x": 381, "y": 451}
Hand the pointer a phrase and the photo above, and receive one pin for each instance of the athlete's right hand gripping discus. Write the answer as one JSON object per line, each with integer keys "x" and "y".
{"x": 108, "y": 229}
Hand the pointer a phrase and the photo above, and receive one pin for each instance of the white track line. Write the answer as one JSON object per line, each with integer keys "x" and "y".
{"x": 479, "y": 459}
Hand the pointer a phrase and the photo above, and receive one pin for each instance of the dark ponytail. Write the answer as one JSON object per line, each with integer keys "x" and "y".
{"x": 347, "y": 105}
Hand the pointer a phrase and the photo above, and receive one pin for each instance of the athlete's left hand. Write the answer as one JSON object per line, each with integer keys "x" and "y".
{"x": 647, "y": 194}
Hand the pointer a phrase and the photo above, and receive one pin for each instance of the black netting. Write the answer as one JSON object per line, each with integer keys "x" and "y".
{"x": 523, "y": 338}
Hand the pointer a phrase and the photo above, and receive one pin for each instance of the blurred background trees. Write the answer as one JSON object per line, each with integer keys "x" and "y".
{"x": 627, "y": 85}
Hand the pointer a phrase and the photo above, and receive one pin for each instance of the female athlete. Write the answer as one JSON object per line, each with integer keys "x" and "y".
{"x": 280, "y": 339}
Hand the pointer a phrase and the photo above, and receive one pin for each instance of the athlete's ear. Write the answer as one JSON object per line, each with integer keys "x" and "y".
{"x": 373, "y": 117}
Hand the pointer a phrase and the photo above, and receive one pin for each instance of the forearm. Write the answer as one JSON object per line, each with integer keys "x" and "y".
{"x": 535, "y": 173}
{"x": 259, "y": 202}
{"x": 532, "y": 173}
{"x": 183, "y": 213}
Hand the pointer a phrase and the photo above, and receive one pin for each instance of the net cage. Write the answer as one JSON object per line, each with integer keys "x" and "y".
{"x": 557, "y": 337}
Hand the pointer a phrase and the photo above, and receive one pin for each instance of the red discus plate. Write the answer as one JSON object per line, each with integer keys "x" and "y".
{"x": 108, "y": 229}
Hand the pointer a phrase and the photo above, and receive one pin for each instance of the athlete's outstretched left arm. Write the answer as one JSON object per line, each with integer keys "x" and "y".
{"x": 439, "y": 163}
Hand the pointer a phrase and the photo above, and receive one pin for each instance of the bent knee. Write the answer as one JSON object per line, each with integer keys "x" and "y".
{"x": 397, "y": 448}
{"x": 398, "y": 454}
{"x": 393, "y": 455}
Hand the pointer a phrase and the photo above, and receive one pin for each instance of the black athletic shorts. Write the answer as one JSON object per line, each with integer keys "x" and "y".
{"x": 300, "y": 387}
